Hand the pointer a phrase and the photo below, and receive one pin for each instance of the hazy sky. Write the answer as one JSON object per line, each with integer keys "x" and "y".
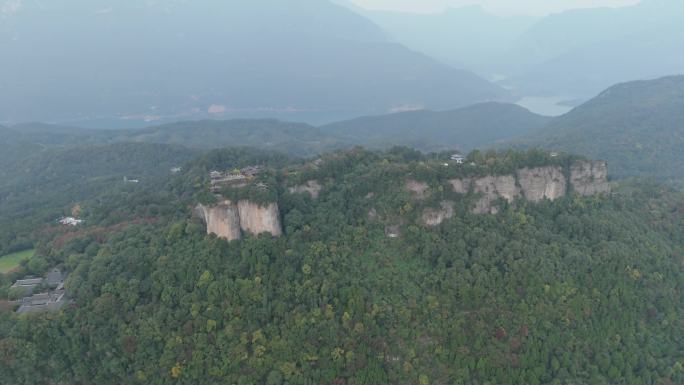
{"x": 502, "y": 7}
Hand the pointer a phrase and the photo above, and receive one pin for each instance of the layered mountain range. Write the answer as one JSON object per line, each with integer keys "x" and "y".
{"x": 126, "y": 62}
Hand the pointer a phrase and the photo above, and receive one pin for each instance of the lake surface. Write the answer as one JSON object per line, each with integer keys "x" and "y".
{"x": 546, "y": 105}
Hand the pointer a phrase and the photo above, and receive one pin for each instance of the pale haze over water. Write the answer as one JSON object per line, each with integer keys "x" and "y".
{"x": 502, "y": 7}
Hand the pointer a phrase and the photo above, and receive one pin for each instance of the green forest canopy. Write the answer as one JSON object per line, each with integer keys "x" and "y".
{"x": 578, "y": 291}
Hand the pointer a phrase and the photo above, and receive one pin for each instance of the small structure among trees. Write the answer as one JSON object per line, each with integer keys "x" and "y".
{"x": 236, "y": 178}
{"x": 458, "y": 158}
{"x": 70, "y": 221}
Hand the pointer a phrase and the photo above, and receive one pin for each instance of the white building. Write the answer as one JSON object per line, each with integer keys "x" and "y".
{"x": 458, "y": 158}
{"x": 70, "y": 221}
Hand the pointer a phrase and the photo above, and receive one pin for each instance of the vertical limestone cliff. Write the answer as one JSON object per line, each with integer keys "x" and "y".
{"x": 229, "y": 220}
{"x": 492, "y": 188}
{"x": 589, "y": 178}
{"x": 542, "y": 183}
{"x": 256, "y": 219}
{"x": 534, "y": 184}
{"x": 222, "y": 219}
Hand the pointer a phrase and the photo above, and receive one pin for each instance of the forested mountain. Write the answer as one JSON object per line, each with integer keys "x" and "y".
{"x": 87, "y": 61}
{"x": 638, "y": 127}
{"x": 477, "y": 126}
{"x": 581, "y": 52}
{"x": 580, "y": 290}
{"x": 13, "y": 146}
{"x": 284, "y": 137}
{"x": 38, "y": 187}
{"x": 279, "y": 136}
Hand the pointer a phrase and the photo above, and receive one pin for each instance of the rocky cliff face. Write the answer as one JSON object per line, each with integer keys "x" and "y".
{"x": 222, "y": 219}
{"x": 311, "y": 187}
{"x": 418, "y": 190}
{"x": 534, "y": 184}
{"x": 461, "y": 186}
{"x": 257, "y": 219}
{"x": 542, "y": 183}
{"x": 492, "y": 188}
{"x": 589, "y": 178}
{"x": 435, "y": 217}
{"x": 229, "y": 220}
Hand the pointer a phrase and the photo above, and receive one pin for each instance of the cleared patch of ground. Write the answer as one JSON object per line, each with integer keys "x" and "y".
{"x": 10, "y": 262}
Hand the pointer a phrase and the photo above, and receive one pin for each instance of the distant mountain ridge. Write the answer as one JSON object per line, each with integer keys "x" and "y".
{"x": 638, "y": 127}
{"x": 179, "y": 60}
{"x": 596, "y": 48}
{"x": 466, "y": 37}
{"x": 573, "y": 54}
{"x": 466, "y": 128}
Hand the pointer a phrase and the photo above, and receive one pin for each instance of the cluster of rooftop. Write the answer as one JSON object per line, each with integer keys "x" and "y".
{"x": 237, "y": 177}
{"x": 51, "y": 300}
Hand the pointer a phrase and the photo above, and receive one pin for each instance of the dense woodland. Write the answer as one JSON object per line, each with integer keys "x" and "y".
{"x": 578, "y": 291}
{"x": 39, "y": 186}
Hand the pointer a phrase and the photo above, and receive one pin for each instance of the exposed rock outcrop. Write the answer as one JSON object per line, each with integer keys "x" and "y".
{"x": 418, "y": 190}
{"x": 393, "y": 231}
{"x": 257, "y": 219}
{"x": 589, "y": 178}
{"x": 492, "y": 188}
{"x": 229, "y": 220}
{"x": 435, "y": 217}
{"x": 461, "y": 186}
{"x": 372, "y": 214}
{"x": 221, "y": 219}
{"x": 542, "y": 183}
{"x": 311, "y": 187}
{"x": 535, "y": 184}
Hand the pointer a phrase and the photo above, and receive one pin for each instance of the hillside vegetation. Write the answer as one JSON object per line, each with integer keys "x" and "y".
{"x": 466, "y": 128}
{"x": 37, "y": 189}
{"x": 477, "y": 126}
{"x": 580, "y": 290}
{"x": 638, "y": 127}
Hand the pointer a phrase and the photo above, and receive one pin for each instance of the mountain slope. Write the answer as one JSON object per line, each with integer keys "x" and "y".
{"x": 596, "y": 48}
{"x": 466, "y": 37}
{"x": 282, "y": 137}
{"x": 38, "y": 187}
{"x": 180, "y": 60}
{"x": 638, "y": 127}
{"x": 575, "y": 291}
{"x": 466, "y": 128}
